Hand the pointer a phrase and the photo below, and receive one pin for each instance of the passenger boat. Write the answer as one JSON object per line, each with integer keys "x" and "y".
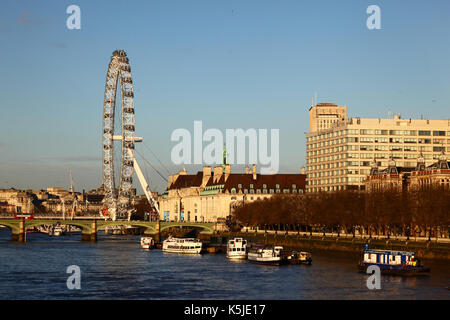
{"x": 392, "y": 262}
{"x": 237, "y": 248}
{"x": 265, "y": 255}
{"x": 147, "y": 242}
{"x": 301, "y": 257}
{"x": 182, "y": 245}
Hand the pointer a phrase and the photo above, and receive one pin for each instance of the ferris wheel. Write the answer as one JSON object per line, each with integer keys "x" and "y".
{"x": 117, "y": 201}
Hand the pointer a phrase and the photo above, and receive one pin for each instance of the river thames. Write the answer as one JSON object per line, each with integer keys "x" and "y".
{"x": 117, "y": 268}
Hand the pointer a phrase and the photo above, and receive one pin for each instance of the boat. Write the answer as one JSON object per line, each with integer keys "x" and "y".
{"x": 299, "y": 257}
{"x": 147, "y": 243}
{"x": 182, "y": 245}
{"x": 237, "y": 248}
{"x": 392, "y": 262}
{"x": 57, "y": 231}
{"x": 265, "y": 255}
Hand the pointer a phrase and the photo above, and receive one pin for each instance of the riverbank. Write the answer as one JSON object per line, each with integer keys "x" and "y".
{"x": 425, "y": 250}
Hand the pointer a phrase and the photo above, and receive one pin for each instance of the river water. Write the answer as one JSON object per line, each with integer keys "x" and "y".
{"x": 117, "y": 268}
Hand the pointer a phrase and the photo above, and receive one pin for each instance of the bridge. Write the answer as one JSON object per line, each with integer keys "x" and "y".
{"x": 90, "y": 226}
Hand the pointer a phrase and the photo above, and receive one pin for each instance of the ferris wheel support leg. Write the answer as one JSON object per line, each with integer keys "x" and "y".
{"x": 144, "y": 183}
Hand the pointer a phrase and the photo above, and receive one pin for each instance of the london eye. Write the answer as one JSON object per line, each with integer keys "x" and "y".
{"x": 118, "y": 192}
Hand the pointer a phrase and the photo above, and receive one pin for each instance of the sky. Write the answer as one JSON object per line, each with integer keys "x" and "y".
{"x": 231, "y": 64}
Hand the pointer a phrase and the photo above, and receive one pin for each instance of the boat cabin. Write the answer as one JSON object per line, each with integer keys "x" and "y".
{"x": 390, "y": 257}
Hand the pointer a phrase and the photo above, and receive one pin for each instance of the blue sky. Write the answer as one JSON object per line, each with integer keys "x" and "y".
{"x": 231, "y": 64}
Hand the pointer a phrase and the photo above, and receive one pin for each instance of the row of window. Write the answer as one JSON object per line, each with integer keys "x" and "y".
{"x": 315, "y": 182}
{"x": 436, "y": 133}
{"x": 376, "y": 140}
{"x": 375, "y": 148}
{"x": 344, "y": 156}
{"x": 265, "y": 191}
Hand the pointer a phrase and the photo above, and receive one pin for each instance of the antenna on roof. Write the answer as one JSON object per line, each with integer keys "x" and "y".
{"x": 315, "y": 96}
{"x": 389, "y": 113}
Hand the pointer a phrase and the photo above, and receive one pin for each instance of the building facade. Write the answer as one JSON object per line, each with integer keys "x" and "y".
{"x": 339, "y": 155}
{"x": 213, "y": 193}
{"x": 409, "y": 178}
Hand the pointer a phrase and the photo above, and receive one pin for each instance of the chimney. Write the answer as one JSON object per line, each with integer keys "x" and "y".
{"x": 183, "y": 172}
{"x": 302, "y": 170}
{"x": 254, "y": 172}
{"x": 217, "y": 173}
{"x": 227, "y": 171}
{"x": 206, "y": 175}
{"x": 246, "y": 169}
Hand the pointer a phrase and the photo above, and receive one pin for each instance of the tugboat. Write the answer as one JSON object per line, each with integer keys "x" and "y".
{"x": 392, "y": 262}
{"x": 182, "y": 245}
{"x": 237, "y": 248}
{"x": 147, "y": 243}
{"x": 266, "y": 255}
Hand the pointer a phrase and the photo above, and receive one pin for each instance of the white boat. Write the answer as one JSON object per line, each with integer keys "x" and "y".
{"x": 147, "y": 242}
{"x": 237, "y": 248}
{"x": 182, "y": 245}
{"x": 265, "y": 255}
{"x": 57, "y": 231}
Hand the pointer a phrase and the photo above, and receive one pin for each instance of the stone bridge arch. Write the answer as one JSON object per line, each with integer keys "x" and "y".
{"x": 12, "y": 226}
{"x": 150, "y": 227}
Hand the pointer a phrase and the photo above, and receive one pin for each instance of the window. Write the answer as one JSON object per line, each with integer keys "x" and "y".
{"x": 438, "y": 133}
{"x": 424, "y": 133}
{"x": 381, "y": 132}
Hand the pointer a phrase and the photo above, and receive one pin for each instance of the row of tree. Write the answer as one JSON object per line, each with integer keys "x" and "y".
{"x": 389, "y": 212}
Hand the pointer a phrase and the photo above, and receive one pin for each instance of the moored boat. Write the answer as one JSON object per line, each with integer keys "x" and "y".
{"x": 182, "y": 245}
{"x": 57, "y": 231}
{"x": 237, "y": 248}
{"x": 147, "y": 243}
{"x": 265, "y": 255}
{"x": 393, "y": 262}
{"x": 299, "y": 257}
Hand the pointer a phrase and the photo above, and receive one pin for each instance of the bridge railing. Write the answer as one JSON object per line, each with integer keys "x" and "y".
{"x": 49, "y": 216}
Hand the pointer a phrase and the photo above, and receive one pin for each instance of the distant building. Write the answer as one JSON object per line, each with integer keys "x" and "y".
{"x": 213, "y": 194}
{"x": 339, "y": 151}
{"x": 409, "y": 178}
